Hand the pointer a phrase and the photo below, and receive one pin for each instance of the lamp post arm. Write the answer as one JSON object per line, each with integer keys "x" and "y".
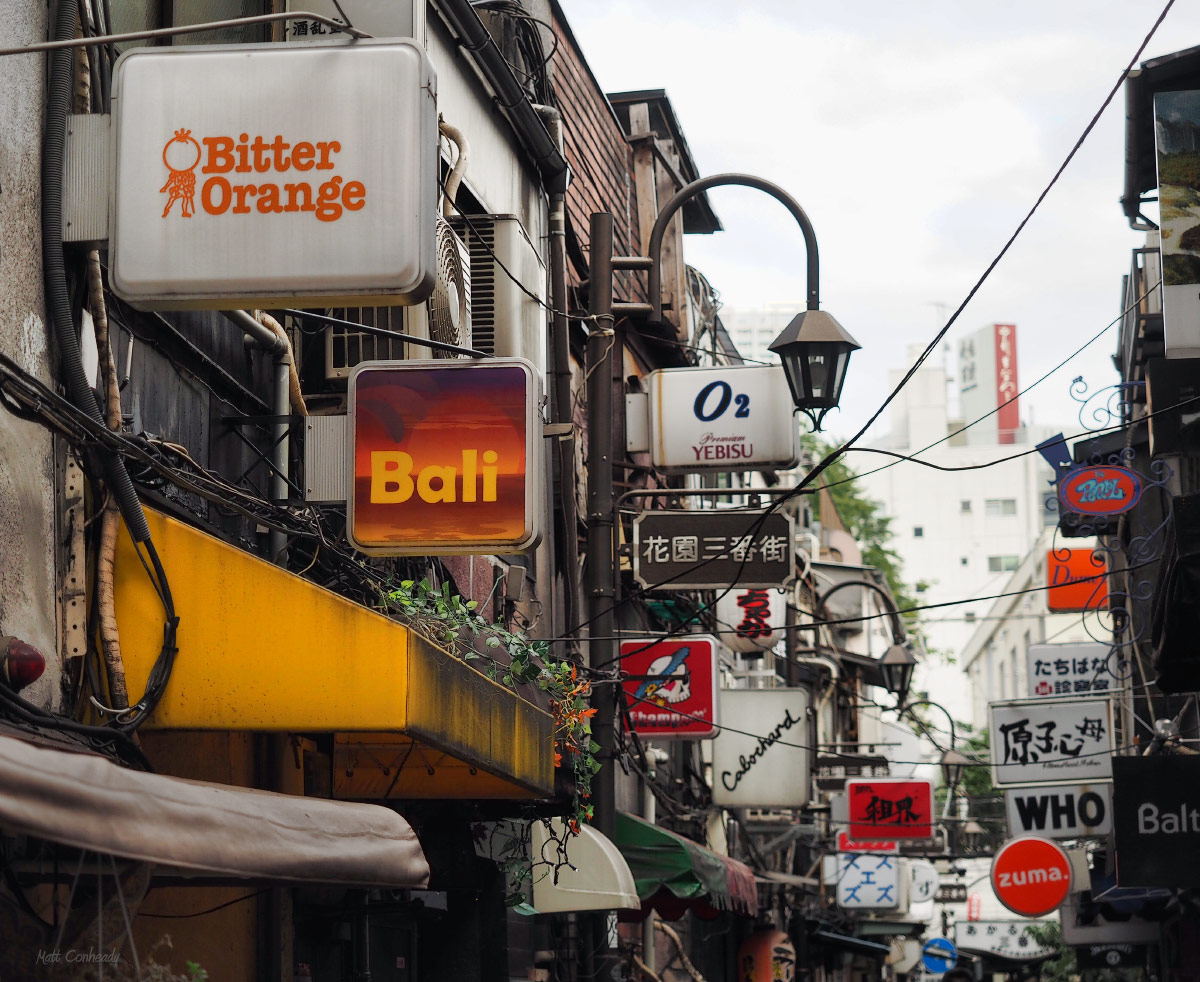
{"x": 908, "y": 706}
{"x": 899, "y": 635}
{"x": 689, "y": 191}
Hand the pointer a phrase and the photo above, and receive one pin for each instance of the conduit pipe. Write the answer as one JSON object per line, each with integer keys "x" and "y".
{"x": 459, "y": 139}
{"x": 280, "y": 347}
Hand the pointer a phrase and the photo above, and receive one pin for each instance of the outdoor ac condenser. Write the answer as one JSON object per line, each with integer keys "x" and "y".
{"x": 505, "y": 320}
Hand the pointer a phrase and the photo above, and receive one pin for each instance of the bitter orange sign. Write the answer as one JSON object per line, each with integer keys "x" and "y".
{"x": 1031, "y": 876}
{"x": 444, "y": 458}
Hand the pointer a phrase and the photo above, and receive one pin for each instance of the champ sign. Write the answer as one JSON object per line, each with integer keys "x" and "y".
{"x": 1040, "y": 741}
{"x": 730, "y": 418}
{"x": 247, "y": 176}
{"x": 761, "y": 757}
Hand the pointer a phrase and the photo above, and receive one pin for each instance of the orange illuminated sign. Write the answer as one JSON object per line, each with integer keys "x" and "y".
{"x": 1077, "y": 580}
{"x": 444, "y": 457}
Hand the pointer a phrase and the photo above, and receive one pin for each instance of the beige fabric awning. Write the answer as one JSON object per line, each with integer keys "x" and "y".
{"x": 91, "y": 803}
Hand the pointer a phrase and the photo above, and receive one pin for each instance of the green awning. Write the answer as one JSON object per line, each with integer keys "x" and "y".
{"x": 662, "y": 861}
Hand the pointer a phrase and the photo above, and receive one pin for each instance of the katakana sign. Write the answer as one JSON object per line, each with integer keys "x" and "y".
{"x": 713, "y": 550}
{"x": 868, "y": 881}
{"x": 1069, "y": 669}
{"x": 1041, "y": 741}
{"x": 878, "y": 846}
{"x": 899, "y": 809}
{"x": 1008, "y": 939}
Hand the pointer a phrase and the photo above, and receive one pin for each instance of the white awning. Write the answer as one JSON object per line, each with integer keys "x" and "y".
{"x": 601, "y": 879}
{"x": 91, "y": 803}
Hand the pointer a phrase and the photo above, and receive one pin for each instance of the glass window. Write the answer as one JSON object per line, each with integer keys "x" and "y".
{"x": 964, "y": 505}
{"x": 1000, "y": 507}
{"x": 969, "y": 616}
{"x": 965, "y": 560}
{"x": 918, "y": 531}
{"x": 1003, "y": 564}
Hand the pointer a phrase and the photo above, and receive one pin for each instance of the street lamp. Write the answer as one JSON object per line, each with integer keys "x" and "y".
{"x": 953, "y": 765}
{"x": 814, "y": 348}
{"x": 897, "y": 666}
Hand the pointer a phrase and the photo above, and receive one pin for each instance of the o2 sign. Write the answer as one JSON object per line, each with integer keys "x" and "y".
{"x": 724, "y": 395}
{"x": 737, "y": 418}
{"x": 1100, "y": 490}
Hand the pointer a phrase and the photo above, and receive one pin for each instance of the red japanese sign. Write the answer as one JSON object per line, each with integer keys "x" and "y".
{"x": 1031, "y": 876}
{"x": 1077, "y": 580}
{"x": 901, "y": 809}
{"x": 671, "y": 686}
{"x": 1008, "y": 417}
{"x": 879, "y": 847}
{"x": 1100, "y": 490}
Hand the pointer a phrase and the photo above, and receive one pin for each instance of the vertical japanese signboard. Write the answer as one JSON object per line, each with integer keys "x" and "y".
{"x": 761, "y": 757}
{"x": 671, "y": 686}
{"x": 444, "y": 458}
{"x": 1069, "y": 669}
{"x": 1041, "y": 741}
{"x": 897, "y": 809}
{"x": 1008, "y": 417}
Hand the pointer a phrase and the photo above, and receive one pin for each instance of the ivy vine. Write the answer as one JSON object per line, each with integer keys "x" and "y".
{"x": 451, "y": 622}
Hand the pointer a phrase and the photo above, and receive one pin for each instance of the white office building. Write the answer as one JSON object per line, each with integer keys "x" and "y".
{"x": 961, "y": 532}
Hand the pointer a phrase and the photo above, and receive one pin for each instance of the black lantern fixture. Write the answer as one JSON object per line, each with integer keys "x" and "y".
{"x": 815, "y": 350}
{"x": 953, "y": 765}
{"x": 897, "y": 666}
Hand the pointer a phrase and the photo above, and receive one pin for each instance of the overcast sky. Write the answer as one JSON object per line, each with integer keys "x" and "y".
{"x": 915, "y": 136}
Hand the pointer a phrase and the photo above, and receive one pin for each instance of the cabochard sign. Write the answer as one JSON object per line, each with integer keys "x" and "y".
{"x": 1156, "y": 811}
{"x": 768, "y": 771}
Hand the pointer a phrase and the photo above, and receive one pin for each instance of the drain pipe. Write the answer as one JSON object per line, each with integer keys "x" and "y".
{"x": 278, "y": 346}
{"x": 560, "y": 356}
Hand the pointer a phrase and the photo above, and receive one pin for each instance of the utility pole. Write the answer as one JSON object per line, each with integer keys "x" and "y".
{"x": 606, "y": 964}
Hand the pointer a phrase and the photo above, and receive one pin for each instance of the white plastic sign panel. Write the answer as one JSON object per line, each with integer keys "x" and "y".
{"x": 247, "y": 175}
{"x": 751, "y": 620}
{"x": 1069, "y": 669}
{"x": 760, "y": 756}
{"x": 1067, "y": 811}
{"x": 728, "y": 418}
{"x": 1009, "y": 939}
{"x": 868, "y": 881}
{"x": 1039, "y": 741}
{"x": 924, "y": 881}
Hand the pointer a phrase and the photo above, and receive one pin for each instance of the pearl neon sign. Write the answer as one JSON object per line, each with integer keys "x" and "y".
{"x": 1100, "y": 490}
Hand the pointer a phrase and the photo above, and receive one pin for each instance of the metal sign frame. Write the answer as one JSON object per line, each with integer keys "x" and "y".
{"x": 723, "y": 568}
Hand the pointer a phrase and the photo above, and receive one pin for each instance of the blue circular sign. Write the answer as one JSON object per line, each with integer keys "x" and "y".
{"x": 939, "y": 955}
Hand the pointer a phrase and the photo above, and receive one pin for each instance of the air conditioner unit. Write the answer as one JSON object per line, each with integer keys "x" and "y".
{"x": 445, "y": 316}
{"x": 505, "y": 319}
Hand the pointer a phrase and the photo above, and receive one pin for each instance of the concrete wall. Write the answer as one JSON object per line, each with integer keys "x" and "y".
{"x": 28, "y": 592}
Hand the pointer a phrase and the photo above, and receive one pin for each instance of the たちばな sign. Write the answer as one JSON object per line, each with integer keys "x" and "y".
{"x": 444, "y": 458}
{"x": 1069, "y": 669}
{"x": 671, "y": 686}
{"x": 899, "y": 809}
{"x": 254, "y": 175}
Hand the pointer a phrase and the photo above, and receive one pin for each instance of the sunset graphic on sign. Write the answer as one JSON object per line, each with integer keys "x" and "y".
{"x": 440, "y": 457}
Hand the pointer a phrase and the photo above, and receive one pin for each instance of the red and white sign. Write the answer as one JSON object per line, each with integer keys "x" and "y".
{"x": 672, "y": 686}
{"x": 1008, "y": 417}
{"x": 881, "y": 847}
{"x": 900, "y": 809}
{"x": 1031, "y": 876}
{"x": 752, "y": 621}
{"x": 974, "y": 906}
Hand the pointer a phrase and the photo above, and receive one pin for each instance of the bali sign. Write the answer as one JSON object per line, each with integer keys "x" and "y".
{"x": 891, "y": 808}
{"x": 240, "y": 180}
{"x": 1031, "y": 876}
{"x": 671, "y": 686}
{"x": 1100, "y": 491}
{"x": 730, "y": 418}
{"x": 444, "y": 458}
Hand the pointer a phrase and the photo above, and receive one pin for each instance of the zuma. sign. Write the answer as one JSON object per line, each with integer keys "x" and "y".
{"x": 444, "y": 458}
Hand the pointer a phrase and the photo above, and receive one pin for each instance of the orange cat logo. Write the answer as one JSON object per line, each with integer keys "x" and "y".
{"x": 181, "y": 184}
